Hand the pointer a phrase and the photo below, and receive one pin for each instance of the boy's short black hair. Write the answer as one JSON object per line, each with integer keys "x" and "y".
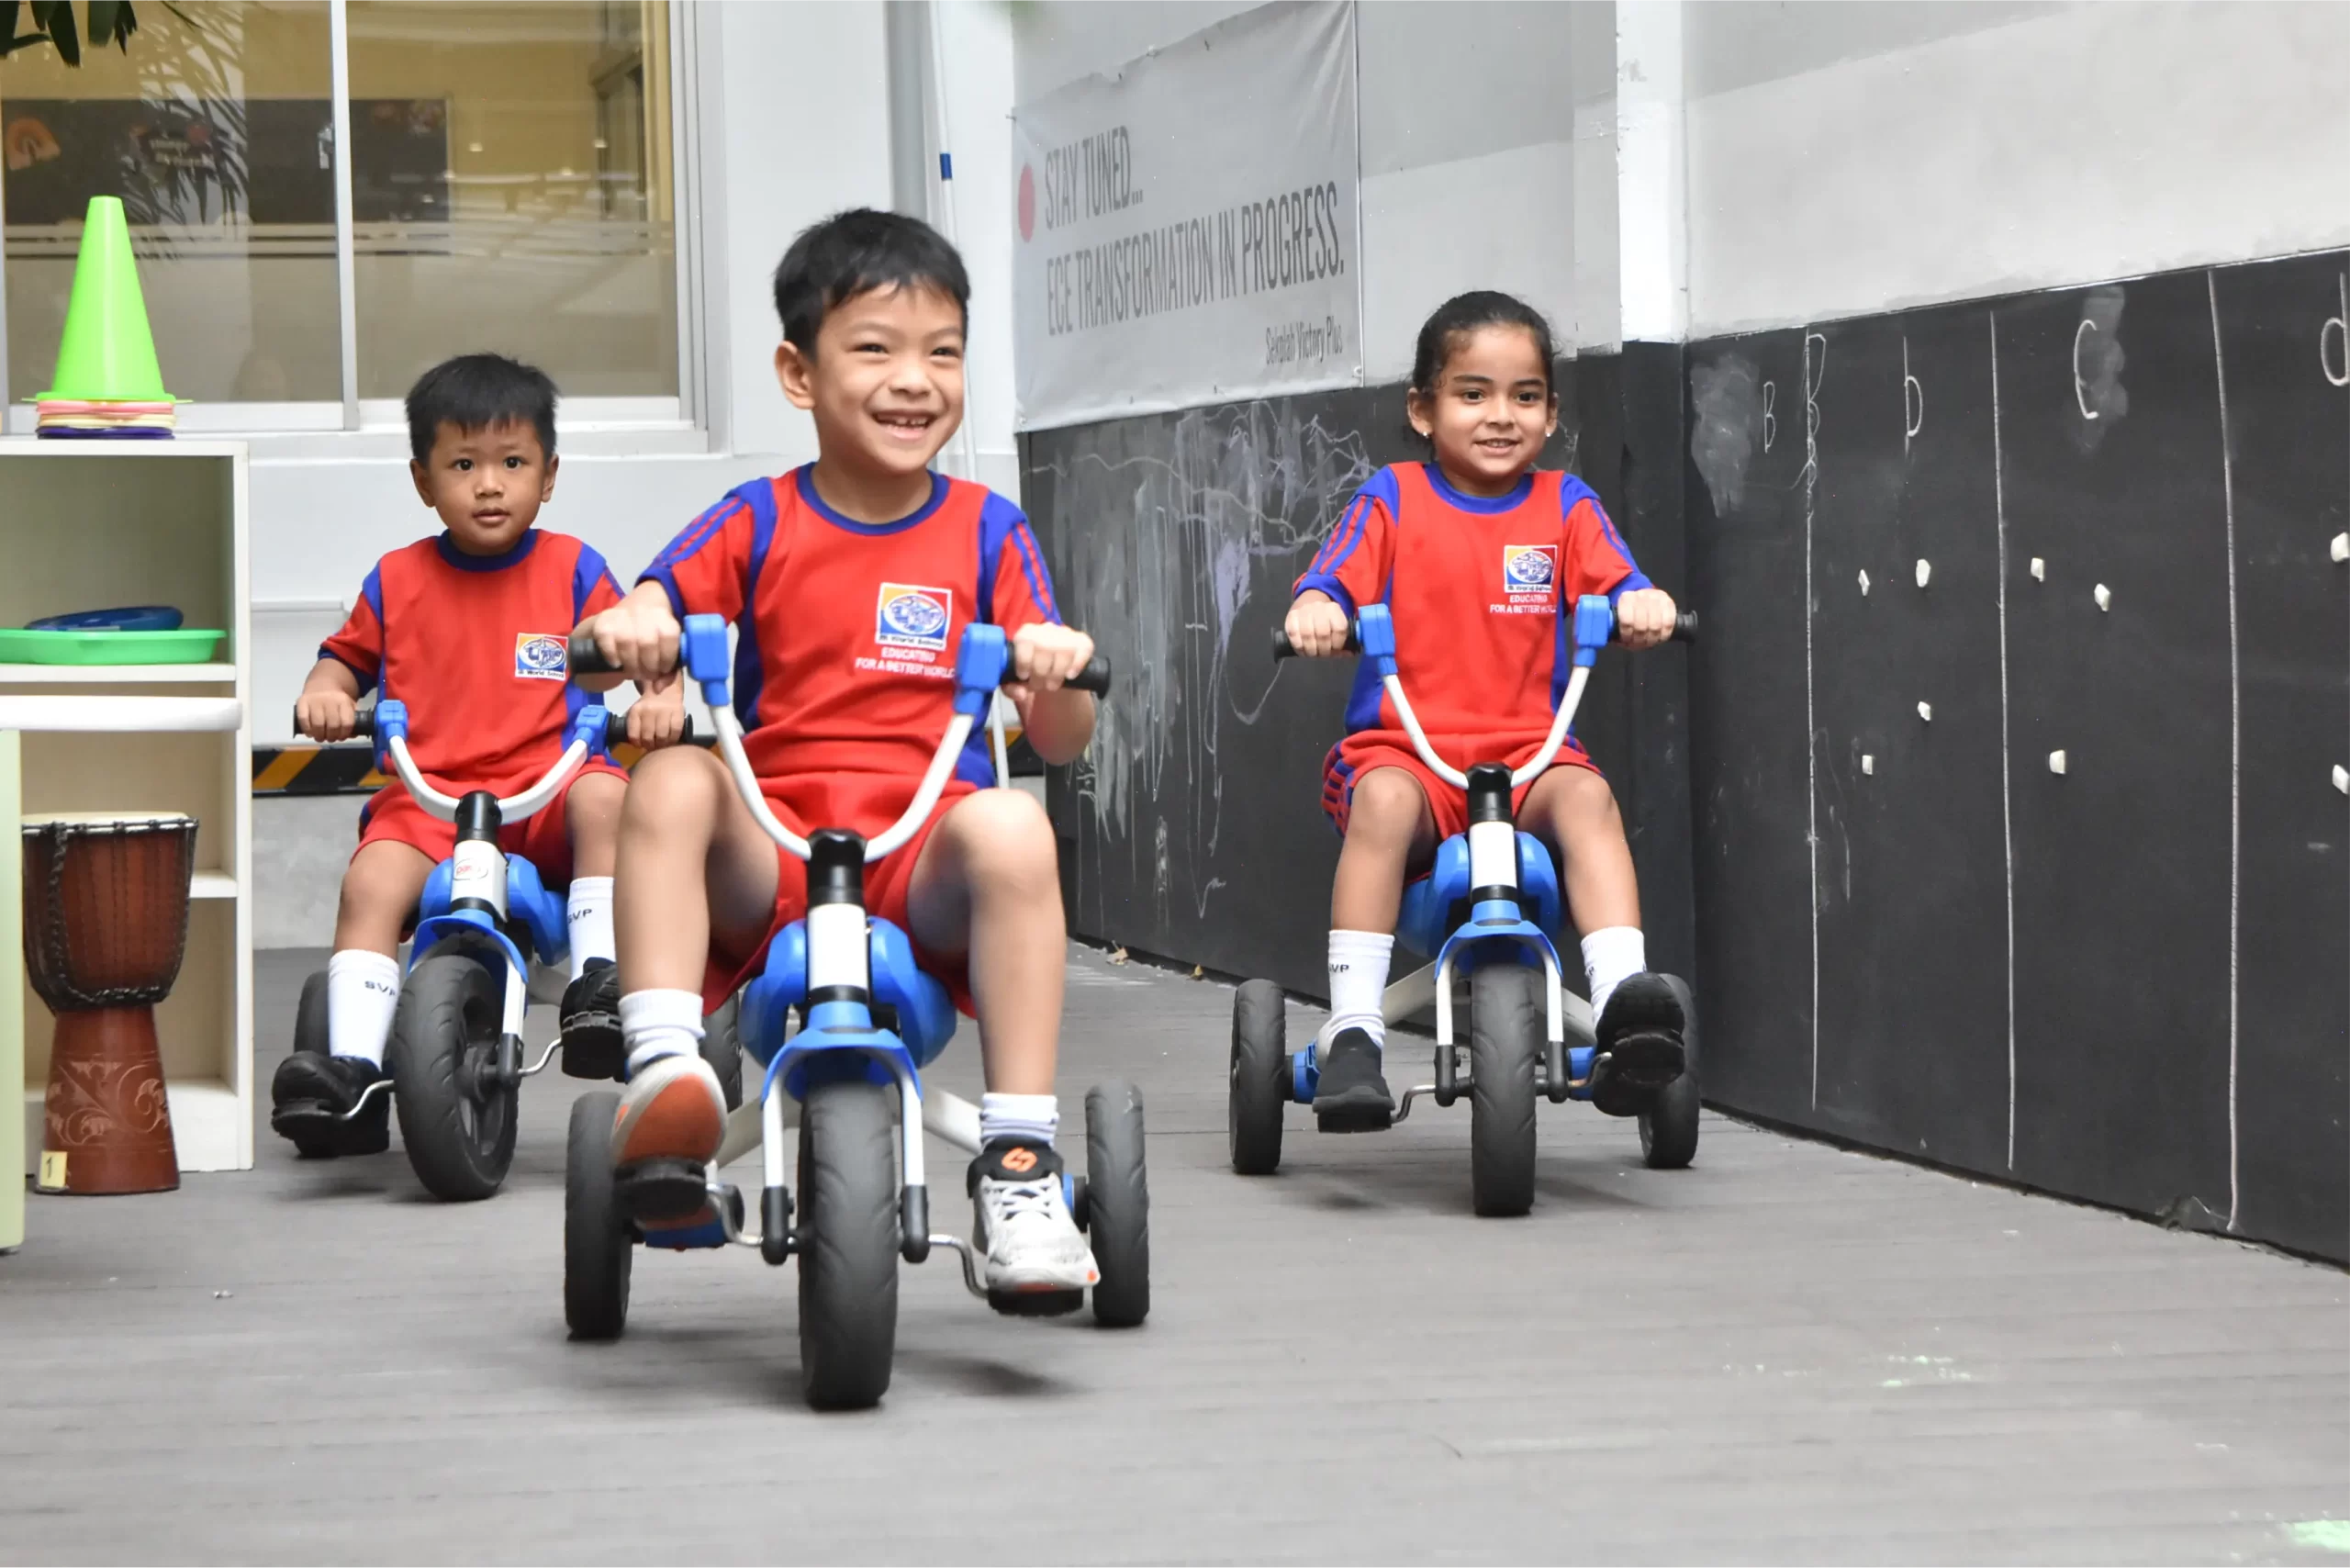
{"x": 475, "y": 391}
{"x": 855, "y": 253}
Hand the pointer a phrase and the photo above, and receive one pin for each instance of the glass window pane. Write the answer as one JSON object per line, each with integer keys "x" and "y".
{"x": 216, "y": 129}
{"x": 511, "y": 177}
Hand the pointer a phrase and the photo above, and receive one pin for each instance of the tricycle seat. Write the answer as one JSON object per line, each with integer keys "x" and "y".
{"x": 1437, "y": 905}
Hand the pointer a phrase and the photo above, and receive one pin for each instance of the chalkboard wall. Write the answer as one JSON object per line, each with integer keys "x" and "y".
{"x": 1947, "y": 546}
{"x": 2058, "y": 889}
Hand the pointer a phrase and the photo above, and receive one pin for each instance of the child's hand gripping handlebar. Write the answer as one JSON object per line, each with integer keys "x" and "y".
{"x": 982, "y": 663}
{"x": 1372, "y": 633}
{"x": 594, "y": 731}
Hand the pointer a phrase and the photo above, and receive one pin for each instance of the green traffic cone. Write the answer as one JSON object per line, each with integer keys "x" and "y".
{"x": 107, "y": 353}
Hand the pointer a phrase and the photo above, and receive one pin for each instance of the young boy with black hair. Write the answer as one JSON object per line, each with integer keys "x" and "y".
{"x": 468, "y": 629}
{"x": 853, "y": 578}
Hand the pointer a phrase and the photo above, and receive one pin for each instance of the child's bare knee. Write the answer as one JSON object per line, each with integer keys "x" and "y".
{"x": 1387, "y": 801}
{"x": 681, "y": 784}
{"x": 1005, "y": 838}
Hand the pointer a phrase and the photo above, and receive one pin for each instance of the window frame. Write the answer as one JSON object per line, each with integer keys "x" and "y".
{"x": 667, "y": 423}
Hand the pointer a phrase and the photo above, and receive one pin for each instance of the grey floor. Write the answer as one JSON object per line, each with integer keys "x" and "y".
{"x": 1787, "y": 1353}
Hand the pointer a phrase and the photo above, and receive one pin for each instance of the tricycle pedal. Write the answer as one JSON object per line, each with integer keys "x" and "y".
{"x": 661, "y": 1192}
{"x": 1035, "y": 1304}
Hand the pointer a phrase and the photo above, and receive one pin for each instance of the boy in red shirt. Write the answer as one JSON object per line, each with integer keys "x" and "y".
{"x": 468, "y": 628}
{"x": 852, "y": 579}
{"x": 1480, "y": 557}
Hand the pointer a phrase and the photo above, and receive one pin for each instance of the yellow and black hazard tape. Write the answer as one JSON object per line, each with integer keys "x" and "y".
{"x": 350, "y": 770}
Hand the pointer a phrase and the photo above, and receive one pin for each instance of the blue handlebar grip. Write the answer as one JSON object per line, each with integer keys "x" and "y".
{"x": 979, "y": 668}
{"x": 391, "y": 722}
{"x": 1377, "y": 631}
{"x": 705, "y": 652}
{"x": 1595, "y": 623}
{"x": 587, "y": 725}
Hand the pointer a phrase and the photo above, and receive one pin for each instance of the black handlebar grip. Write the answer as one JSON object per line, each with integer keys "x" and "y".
{"x": 1283, "y": 649}
{"x": 362, "y": 727}
{"x": 1685, "y": 626}
{"x": 616, "y": 730}
{"x": 1094, "y": 678}
{"x": 585, "y": 658}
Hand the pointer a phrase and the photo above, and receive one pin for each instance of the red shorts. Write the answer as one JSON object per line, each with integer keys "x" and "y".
{"x": 1448, "y": 803}
{"x": 811, "y": 800}
{"x": 544, "y": 839}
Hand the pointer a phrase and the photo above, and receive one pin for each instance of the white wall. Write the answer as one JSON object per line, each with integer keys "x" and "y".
{"x": 1850, "y": 159}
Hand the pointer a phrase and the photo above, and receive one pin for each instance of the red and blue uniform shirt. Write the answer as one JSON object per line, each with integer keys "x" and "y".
{"x": 844, "y": 660}
{"x": 475, "y": 646}
{"x": 1482, "y": 591}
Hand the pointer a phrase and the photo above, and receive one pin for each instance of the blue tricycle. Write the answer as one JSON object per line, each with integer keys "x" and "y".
{"x": 488, "y": 938}
{"x": 842, "y": 1020}
{"x": 1490, "y": 913}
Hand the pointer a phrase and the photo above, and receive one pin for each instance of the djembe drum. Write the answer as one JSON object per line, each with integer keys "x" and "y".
{"x": 106, "y": 927}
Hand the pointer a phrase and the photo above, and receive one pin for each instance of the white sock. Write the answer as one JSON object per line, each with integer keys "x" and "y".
{"x": 1033, "y": 1118}
{"x": 1611, "y": 957}
{"x": 656, "y": 1023}
{"x": 1358, "y": 984}
{"x": 589, "y": 914}
{"x": 363, "y": 988}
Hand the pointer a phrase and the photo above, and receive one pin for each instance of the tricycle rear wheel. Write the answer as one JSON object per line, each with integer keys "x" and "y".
{"x": 1258, "y": 1087}
{"x": 1669, "y": 1126}
{"x": 597, "y": 1251}
{"x": 1117, "y": 1202}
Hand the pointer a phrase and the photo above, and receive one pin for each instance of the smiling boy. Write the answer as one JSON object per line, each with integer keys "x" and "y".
{"x": 467, "y": 627}
{"x": 852, "y": 579}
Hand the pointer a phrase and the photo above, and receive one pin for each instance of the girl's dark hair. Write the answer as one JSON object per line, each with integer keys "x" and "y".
{"x": 474, "y": 392}
{"x": 855, "y": 253}
{"x": 1465, "y": 313}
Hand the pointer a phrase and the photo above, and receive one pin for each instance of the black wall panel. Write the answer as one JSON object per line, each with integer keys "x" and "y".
{"x": 2289, "y": 428}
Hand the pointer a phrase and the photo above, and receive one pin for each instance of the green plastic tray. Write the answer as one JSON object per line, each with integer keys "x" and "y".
{"x": 181, "y": 647}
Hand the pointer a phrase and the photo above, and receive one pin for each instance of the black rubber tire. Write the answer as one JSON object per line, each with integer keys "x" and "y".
{"x": 721, "y": 1046}
{"x": 597, "y": 1251}
{"x": 310, "y": 1016}
{"x": 1117, "y": 1202}
{"x": 1260, "y": 1068}
{"x": 460, "y": 1147}
{"x": 310, "y": 1035}
{"x": 1505, "y": 1016}
{"x": 848, "y": 1243}
{"x": 1669, "y": 1127}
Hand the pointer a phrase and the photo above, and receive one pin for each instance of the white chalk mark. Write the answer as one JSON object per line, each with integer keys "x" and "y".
{"x": 2235, "y": 732}
{"x": 1926, "y": 712}
{"x": 1864, "y": 582}
{"x": 2342, "y": 779}
{"x": 2055, "y": 762}
{"x": 2039, "y": 570}
{"x": 2080, "y": 387}
{"x": 1868, "y": 764}
{"x": 1925, "y": 571}
{"x": 1769, "y": 413}
{"x": 1811, "y": 381}
{"x": 1913, "y": 415}
{"x": 2007, "y": 806}
{"x": 2337, "y": 329}
{"x": 2341, "y": 548}
{"x": 2104, "y": 597}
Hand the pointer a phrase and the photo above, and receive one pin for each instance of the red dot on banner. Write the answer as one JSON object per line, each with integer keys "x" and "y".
{"x": 1027, "y": 202}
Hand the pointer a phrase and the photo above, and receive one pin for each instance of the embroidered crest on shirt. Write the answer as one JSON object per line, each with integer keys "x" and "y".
{"x": 540, "y": 655}
{"x": 1530, "y": 578}
{"x": 910, "y": 616}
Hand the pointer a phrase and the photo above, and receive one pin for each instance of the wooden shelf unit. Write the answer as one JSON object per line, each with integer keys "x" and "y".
{"x": 140, "y": 522}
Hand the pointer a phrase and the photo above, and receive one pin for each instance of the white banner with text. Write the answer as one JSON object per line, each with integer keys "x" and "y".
{"x": 1186, "y": 230}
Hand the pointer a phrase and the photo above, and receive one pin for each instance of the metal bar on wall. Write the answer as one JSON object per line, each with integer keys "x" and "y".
{"x": 693, "y": 395}
{"x": 346, "y": 239}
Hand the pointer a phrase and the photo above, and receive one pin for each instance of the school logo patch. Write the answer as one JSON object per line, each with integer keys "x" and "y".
{"x": 910, "y": 616}
{"x": 1529, "y": 579}
{"x": 540, "y": 655}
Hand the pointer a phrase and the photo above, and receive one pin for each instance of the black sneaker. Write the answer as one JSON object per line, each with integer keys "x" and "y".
{"x": 591, "y": 1023}
{"x": 312, "y": 1095}
{"x": 1640, "y": 1048}
{"x": 1350, "y": 1095}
